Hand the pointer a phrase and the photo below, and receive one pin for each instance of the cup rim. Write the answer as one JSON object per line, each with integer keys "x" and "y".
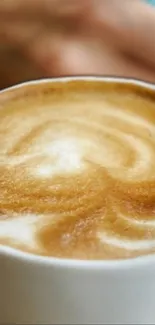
{"x": 67, "y": 78}
{"x": 116, "y": 264}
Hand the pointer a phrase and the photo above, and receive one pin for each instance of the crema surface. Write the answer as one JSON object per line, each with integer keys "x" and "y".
{"x": 77, "y": 170}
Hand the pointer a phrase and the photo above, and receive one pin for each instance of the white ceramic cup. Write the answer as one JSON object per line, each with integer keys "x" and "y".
{"x": 41, "y": 290}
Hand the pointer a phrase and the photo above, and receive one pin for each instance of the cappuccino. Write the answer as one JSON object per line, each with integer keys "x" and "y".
{"x": 77, "y": 169}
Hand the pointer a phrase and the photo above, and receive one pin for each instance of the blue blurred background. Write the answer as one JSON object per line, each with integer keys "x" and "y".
{"x": 151, "y": 2}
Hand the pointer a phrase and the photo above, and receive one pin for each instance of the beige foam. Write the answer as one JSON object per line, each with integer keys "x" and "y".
{"x": 84, "y": 153}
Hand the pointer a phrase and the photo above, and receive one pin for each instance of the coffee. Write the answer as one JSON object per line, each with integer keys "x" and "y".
{"x": 77, "y": 169}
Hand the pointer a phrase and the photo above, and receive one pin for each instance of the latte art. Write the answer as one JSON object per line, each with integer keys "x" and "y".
{"x": 77, "y": 170}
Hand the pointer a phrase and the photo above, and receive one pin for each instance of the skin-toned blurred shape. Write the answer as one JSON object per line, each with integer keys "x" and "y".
{"x": 82, "y": 36}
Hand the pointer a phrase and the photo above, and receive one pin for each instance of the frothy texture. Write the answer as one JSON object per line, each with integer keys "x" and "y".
{"x": 77, "y": 170}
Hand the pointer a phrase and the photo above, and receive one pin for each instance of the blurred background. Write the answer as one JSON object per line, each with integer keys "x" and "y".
{"x": 15, "y": 68}
{"x": 123, "y": 43}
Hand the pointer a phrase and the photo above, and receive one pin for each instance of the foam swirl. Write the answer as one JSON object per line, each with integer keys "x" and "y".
{"x": 77, "y": 171}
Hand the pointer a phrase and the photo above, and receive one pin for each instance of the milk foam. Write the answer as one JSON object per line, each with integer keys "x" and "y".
{"x": 77, "y": 172}
{"x": 19, "y": 230}
{"x": 126, "y": 244}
